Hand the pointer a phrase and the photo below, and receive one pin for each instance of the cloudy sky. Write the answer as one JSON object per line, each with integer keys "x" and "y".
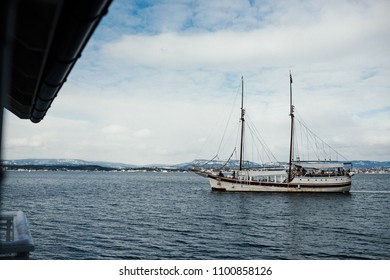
{"x": 158, "y": 81}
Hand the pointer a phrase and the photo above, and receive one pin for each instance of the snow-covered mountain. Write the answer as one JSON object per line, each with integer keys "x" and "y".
{"x": 66, "y": 162}
{"x": 231, "y": 164}
{"x": 367, "y": 164}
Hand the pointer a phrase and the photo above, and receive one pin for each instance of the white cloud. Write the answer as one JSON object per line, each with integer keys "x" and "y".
{"x": 143, "y": 133}
{"x": 23, "y": 142}
{"x": 114, "y": 129}
{"x": 335, "y": 35}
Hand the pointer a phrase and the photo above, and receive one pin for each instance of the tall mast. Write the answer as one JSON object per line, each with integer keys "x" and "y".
{"x": 242, "y": 123}
{"x": 291, "y": 131}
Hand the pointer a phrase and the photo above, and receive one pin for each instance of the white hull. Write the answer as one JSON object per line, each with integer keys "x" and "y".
{"x": 335, "y": 184}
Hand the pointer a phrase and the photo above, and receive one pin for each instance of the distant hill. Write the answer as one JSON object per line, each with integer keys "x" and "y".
{"x": 65, "y": 162}
{"x": 78, "y": 164}
{"x": 367, "y": 164}
{"x": 231, "y": 164}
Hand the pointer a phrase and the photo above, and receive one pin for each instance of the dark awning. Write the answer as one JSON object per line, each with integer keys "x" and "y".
{"x": 44, "y": 39}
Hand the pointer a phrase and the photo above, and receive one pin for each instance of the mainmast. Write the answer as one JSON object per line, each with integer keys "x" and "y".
{"x": 291, "y": 131}
{"x": 242, "y": 123}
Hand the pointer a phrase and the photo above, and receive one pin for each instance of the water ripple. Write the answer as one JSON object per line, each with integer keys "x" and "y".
{"x": 93, "y": 215}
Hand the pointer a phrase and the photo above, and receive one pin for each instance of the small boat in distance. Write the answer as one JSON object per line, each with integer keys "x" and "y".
{"x": 322, "y": 176}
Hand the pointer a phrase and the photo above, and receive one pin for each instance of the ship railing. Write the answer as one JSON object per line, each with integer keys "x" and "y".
{"x": 15, "y": 238}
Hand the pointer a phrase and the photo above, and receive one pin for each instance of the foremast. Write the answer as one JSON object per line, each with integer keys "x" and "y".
{"x": 290, "y": 177}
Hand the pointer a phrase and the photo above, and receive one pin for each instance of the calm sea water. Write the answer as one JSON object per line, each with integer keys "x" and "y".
{"x": 103, "y": 215}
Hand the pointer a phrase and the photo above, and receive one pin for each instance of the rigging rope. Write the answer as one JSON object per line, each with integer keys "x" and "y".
{"x": 228, "y": 121}
{"x": 321, "y": 149}
{"x": 207, "y": 162}
{"x": 255, "y": 133}
{"x": 223, "y": 166}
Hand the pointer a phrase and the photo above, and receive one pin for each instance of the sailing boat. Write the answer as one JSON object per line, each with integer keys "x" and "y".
{"x": 299, "y": 176}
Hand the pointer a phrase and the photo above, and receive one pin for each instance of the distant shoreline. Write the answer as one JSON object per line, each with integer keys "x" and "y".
{"x": 91, "y": 168}
{"x": 98, "y": 168}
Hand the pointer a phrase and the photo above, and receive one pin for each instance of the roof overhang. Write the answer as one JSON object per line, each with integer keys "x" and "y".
{"x": 41, "y": 42}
